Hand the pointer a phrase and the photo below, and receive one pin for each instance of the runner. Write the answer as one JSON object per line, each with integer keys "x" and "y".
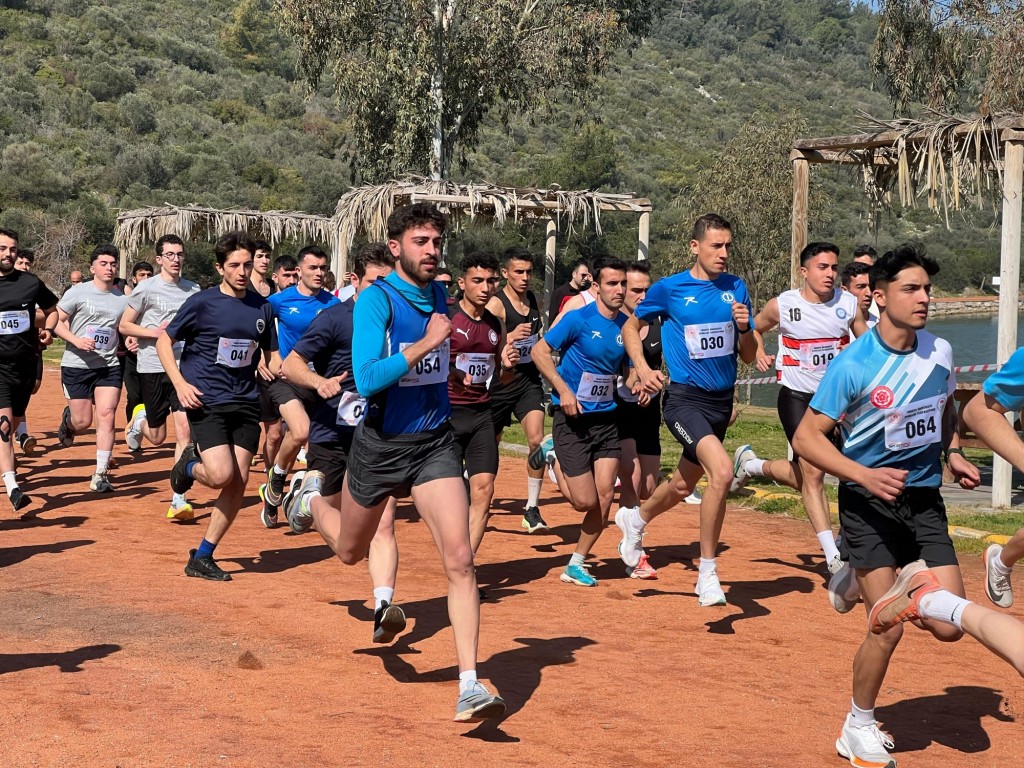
{"x": 707, "y": 323}
{"x": 283, "y": 276}
{"x": 814, "y": 324}
{"x": 586, "y": 438}
{"x": 142, "y": 270}
{"x": 864, "y": 254}
{"x": 24, "y": 263}
{"x": 261, "y": 269}
{"x": 222, "y": 330}
{"x": 21, "y": 294}
{"x": 151, "y": 307}
{"x": 892, "y": 394}
{"x": 857, "y": 282}
{"x": 578, "y": 282}
{"x": 327, "y": 348}
{"x": 88, "y": 319}
{"x": 128, "y": 349}
{"x": 522, "y": 395}
{"x": 294, "y": 309}
{"x": 404, "y": 444}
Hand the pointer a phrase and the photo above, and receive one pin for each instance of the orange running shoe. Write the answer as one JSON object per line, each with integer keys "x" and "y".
{"x": 903, "y": 601}
{"x": 643, "y": 570}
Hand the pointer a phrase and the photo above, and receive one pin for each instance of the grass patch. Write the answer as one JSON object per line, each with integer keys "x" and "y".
{"x": 53, "y": 353}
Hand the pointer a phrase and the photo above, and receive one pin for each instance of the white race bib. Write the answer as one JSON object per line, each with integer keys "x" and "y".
{"x": 709, "y": 340}
{"x": 351, "y": 409}
{"x": 477, "y": 365}
{"x": 105, "y": 338}
{"x": 915, "y": 424}
{"x": 816, "y": 355}
{"x": 525, "y": 347}
{"x": 625, "y": 393}
{"x": 235, "y": 353}
{"x": 432, "y": 369}
{"x": 596, "y": 388}
{"x": 14, "y": 322}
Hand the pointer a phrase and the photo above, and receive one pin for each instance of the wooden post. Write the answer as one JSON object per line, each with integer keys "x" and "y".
{"x": 644, "y": 250}
{"x": 1009, "y": 293}
{"x": 122, "y": 270}
{"x": 550, "y": 256}
{"x": 801, "y": 184}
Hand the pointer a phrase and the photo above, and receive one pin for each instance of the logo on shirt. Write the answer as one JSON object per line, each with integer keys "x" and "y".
{"x": 728, "y": 297}
{"x": 492, "y": 336}
{"x": 293, "y": 310}
{"x": 840, "y": 313}
{"x": 882, "y": 397}
{"x": 261, "y": 326}
{"x": 691, "y": 300}
{"x": 596, "y": 335}
{"x": 464, "y": 332}
{"x": 618, "y": 339}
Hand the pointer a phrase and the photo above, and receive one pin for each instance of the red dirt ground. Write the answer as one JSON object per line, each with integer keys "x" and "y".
{"x": 112, "y": 657}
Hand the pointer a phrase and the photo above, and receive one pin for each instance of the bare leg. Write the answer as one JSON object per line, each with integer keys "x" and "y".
{"x": 481, "y": 491}
{"x": 872, "y": 659}
{"x": 81, "y": 414}
{"x": 156, "y": 435}
{"x": 294, "y": 415}
{"x": 598, "y": 489}
{"x": 233, "y": 470}
{"x": 629, "y": 474}
{"x": 272, "y": 442}
{"x": 672, "y": 491}
{"x": 383, "y": 547}
{"x": 106, "y": 406}
{"x": 718, "y": 467}
{"x": 1013, "y": 550}
{"x": 182, "y": 433}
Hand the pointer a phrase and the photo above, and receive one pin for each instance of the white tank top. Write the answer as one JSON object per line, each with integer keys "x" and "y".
{"x": 810, "y": 335}
{"x": 588, "y": 298}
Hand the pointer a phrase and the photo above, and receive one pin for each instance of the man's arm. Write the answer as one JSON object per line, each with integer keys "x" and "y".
{"x": 128, "y": 327}
{"x": 651, "y": 380}
{"x": 63, "y": 330}
{"x": 766, "y": 320}
{"x": 546, "y": 365}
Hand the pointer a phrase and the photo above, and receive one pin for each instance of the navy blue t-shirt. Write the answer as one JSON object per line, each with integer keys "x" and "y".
{"x": 223, "y": 337}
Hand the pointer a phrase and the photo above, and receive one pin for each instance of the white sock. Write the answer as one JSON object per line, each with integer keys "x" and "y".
{"x": 178, "y": 500}
{"x": 754, "y": 467}
{"x": 382, "y": 595}
{"x": 279, "y": 471}
{"x": 466, "y": 679}
{"x": 1001, "y": 567}
{"x": 102, "y": 460}
{"x": 861, "y": 716}
{"x": 635, "y": 520}
{"x": 706, "y": 566}
{"x": 577, "y": 559}
{"x": 22, "y": 428}
{"x": 828, "y": 545}
{"x": 10, "y": 482}
{"x": 533, "y": 485}
{"x": 942, "y": 605}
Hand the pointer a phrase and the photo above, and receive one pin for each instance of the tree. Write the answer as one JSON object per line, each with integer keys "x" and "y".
{"x": 55, "y": 238}
{"x": 419, "y": 76}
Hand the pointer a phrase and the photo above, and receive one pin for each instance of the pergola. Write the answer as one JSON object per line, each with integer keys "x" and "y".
{"x": 954, "y": 162}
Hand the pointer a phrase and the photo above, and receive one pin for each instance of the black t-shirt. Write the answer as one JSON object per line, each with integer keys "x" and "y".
{"x": 20, "y": 294}
{"x": 560, "y": 294}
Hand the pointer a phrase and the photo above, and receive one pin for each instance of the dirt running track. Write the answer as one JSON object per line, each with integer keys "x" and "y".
{"x": 112, "y": 657}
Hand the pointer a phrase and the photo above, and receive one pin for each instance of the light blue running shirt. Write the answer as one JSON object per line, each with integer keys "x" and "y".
{"x": 592, "y": 355}
{"x": 294, "y": 312}
{"x": 1006, "y": 386}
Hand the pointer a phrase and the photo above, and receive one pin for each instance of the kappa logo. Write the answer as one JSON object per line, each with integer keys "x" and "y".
{"x": 882, "y": 397}
{"x": 728, "y": 297}
{"x": 261, "y": 325}
{"x": 690, "y": 300}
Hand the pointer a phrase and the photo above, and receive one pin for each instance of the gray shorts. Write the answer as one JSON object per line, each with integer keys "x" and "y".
{"x": 382, "y": 465}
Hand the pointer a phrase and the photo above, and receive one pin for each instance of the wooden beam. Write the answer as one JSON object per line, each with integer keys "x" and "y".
{"x": 829, "y": 157}
{"x": 887, "y": 138}
{"x": 801, "y": 187}
{"x": 634, "y": 205}
{"x": 644, "y": 246}
{"x": 550, "y": 257}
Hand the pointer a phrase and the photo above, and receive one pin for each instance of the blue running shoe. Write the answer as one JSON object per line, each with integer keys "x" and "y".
{"x": 577, "y": 574}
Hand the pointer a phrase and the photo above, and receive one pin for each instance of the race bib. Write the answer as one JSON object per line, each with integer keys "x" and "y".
{"x": 709, "y": 340}
{"x": 105, "y": 338}
{"x": 14, "y": 322}
{"x": 351, "y": 409}
{"x": 478, "y": 366}
{"x": 816, "y": 355}
{"x": 625, "y": 393}
{"x": 432, "y": 369}
{"x": 596, "y": 388}
{"x": 915, "y": 424}
{"x": 235, "y": 353}
{"x": 525, "y": 347}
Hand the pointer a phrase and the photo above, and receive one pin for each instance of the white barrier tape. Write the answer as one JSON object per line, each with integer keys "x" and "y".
{"x": 960, "y": 369}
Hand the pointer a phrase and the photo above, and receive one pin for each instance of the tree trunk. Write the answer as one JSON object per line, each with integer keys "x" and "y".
{"x": 440, "y": 159}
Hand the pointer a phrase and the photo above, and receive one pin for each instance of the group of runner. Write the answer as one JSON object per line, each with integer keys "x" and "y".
{"x": 416, "y": 402}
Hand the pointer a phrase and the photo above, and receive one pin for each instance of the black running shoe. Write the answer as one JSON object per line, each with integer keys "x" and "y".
{"x": 180, "y": 481}
{"x": 65, "y": 432}
{"x": 205, "y": 568}
{"x": 538, "y": 458}
{"x": 28, "y": 444}
{"x": 275, "y": 488}
{"x": 19, "y": 499}
{"x": 533, "y": 522}
{"x": 388, "y": 621}
{"x": 268, "y": 515}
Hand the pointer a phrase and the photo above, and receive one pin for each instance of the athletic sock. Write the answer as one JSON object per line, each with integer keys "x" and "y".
{"x": 943, "y": 605}
{"x": 1000, "y": 567}
{"x": 10, "y": 482}
{"x": 102, "y": 460}
{"x": 706, "y": 566}
{"x": 205, "y": 549}
{"x": 178, "y": 500}
{"x": 635, "y": 520}
{"x": 382, "y": 595}
{"x": 754, "y": 467}
{"x": 533, "y": 485}
{"x": 860, "y": 716}
{"x": 190, "y": 467}
{"x": 466, "y": 680}
{"x": 577, "y": 559}
{"x": 828, "y": 545}
{"x": 279, "y": 471}
{"x": 22, "y": 428}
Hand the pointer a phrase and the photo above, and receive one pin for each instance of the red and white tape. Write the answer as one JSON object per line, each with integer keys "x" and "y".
{"x": 960, "y": 369}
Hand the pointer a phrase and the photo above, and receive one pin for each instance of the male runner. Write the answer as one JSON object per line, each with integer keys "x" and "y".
{"x": 261, "y": 269}
{"x": 584, "y": 429}
{"x": 151, "y": 308}
{"x": 522, "y": 395}
{"x": 707, "y": 325}
{"x": 294, "y": 309}
{"x": 892, "y": 393}
{"x": 128, "y": 349}
{"x": 864, "y": 254}
{"x": 21, "y": 294}
{"x": 404, "y": 444}
{"x": 223, "y": 330}
{"x": 141, "y": 270}
{"x": 445, "y": 278}
{"x": 322, "y": 361}
{"x": 856, "y": 282}
{"x": 285, "y": 275}
{"x": 89, "y": 314}
{"x": 578, "y": 282}
{"x": 24, "y": 263}
{"x": 814, "y": 324}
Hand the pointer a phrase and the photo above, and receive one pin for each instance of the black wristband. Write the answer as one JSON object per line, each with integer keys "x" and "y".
{"x": 959, "y": 451}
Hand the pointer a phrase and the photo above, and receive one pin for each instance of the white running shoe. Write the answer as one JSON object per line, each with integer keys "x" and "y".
{"x": 865, "y": 746}
{"x": 133, "y": 435}
{"x": 739, "y": 473}
{"x": 709, "y": 589}
{"x": 551, "y": 458}
{"x": 997, "y": 584}
{"x": 300, "y": 458}
{"x": 631, "y": 548}
{"x": 843, "y": 590}
{"x": 694, "y": 498}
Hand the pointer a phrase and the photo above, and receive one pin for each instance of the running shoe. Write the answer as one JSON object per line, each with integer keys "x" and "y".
{"x": 578, "y": 575}
{"x": 112, "y": 463}
{"x": 388, "y": 622}
{"x": 532, "y": 521}
{"x": 997, "y": 585}
{"x": 903, "y": 601}
{"x": 65, "y": 432}
{"x": 275, "y": 487}
{"x": 28, "y": 444}
{"x": 865, "y": 746}
{"x": 268, "y": 515}
{"x": 133, "y": 435}
{"x": 694, "y": 498}
{"x": 476, "y": 703}
{"x": 843, "y": 591}
{"x": 631, "y": 548}
{"x": 298, "y": 511}
{"x": 643, "y": 570}
{"x": 262, "y": 491}
{"x": 739, "y": 473}
{"x": 300, "y": 458}
{"x": 180, "y": 480}
{"x": 19, "y": 499}
{"x": 709, "y": 589}
{"x": 205, "y": 568}
{"x": 100, "y": 483}
{"x": 539, "y": 456}
{"x": 181, "y": 510}
{"x": 551, "y": 466}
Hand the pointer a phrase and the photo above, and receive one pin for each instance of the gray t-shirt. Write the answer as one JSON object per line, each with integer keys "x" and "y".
{"x": 157, "y": 301}
{"x": 92, "y": 314}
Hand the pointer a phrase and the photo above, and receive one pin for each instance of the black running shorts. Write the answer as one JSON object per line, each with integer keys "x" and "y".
{"x": 691, "y": 414}
{"x": 159, "y": 396}
{"x": 268, "y": 410}
{"x": 521, "y": 396}
{"x": 81, "y": 383}
{"x": 475, "y": 443}
{"x": 582, "y": 440}
{"x": 236, "y": 424}
{"x": 282, "y": 392}
{"x": 17, "y": 378}
{"x": 877, "y": 534}
{"x": 331, "y": 459}
{"x": 642, "y": 424}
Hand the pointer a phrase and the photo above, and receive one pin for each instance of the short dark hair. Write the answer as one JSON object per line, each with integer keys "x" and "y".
{"x": 517, "y": 253}
{"x": 107, "y": 249}
{"x": 27, "y": 254}
{"x": 372, "y": 255}
{"x": 580, "y": 263}
{"x": 9, "y": 233}
{"x": 899, "y": 258}
{"x": 479, "y": 260}
{"x": 442, "y": 271}
{"x": 140, "y": 266}
{"x": 606, "y": 262}
{"x": 641, "y": 266}
{"x": 284, "y": 261}
{"x": 852, "y": 270}
{"x": 409, "y": 217}
{"x": 816, "y": 249}
{"x": 263, "y": 245}
{"x": 706, "y": 222}
{"x": 864, "y": 250}
{"x": 172, "y": 239}
{"x": 231, "y": 242}
{"x": 311, "y": 250}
